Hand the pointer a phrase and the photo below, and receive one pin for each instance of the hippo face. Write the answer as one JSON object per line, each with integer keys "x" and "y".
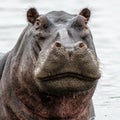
{"x": 64, "y": 55}
{"x": 55, "y": 63}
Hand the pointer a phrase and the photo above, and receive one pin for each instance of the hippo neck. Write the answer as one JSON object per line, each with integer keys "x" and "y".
{"x": 47, "y": 108}
{"x": 69, "y": 108}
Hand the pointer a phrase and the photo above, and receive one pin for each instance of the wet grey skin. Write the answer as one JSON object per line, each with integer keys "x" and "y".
{"x": 53, "y": 70}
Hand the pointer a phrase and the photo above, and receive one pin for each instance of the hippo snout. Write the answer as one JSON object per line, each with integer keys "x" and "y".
{"x": 71, "y": 48}
{"x": 59, "y": 57}
{"x": 67, "y": 67}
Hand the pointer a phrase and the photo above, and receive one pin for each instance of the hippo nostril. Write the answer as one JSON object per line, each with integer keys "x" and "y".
{"x": 57, "y": 44}
{"x": 81, "y": 45}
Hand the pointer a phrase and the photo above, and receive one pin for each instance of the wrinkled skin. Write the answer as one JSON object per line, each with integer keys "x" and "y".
{"x": 53, "y": 70}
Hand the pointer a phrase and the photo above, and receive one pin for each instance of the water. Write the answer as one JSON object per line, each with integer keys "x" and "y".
{"x": 105, "y": 27}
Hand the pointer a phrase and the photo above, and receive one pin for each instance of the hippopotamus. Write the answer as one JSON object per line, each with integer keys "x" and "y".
{"x": 52, "y": 71}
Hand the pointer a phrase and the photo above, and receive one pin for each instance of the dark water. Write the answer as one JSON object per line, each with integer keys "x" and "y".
{"x": 105, "y": 26}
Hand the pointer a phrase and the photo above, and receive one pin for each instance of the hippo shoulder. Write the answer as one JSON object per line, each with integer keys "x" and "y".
{"x": 3, "y": 58}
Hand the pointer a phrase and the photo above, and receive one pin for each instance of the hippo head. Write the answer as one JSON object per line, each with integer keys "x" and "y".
{"x": 66, "y": 60}
{"x": 54, "y": 67}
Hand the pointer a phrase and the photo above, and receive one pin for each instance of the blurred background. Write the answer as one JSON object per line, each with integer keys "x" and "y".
{"x": 105, "y": 27}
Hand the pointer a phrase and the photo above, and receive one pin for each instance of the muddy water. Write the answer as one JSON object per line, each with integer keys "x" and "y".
{"x": 105, "y": 27}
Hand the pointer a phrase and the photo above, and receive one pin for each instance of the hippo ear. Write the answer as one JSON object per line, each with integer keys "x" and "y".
{"x": 32, "y": 14}
{"x": 86, "y": 13}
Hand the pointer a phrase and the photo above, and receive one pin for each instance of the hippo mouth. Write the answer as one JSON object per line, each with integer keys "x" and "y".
{"x": 66, "y": 83}
{"x": 69, "y": 74}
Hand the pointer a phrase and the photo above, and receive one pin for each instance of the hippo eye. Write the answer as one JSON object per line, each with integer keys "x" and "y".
{"x": 45, "y": 26}
{"x": 42, "y": 38}
{"x": 79, "y": 23}
{"x": 37, "y": 28}
{"x": 84, "y": 37}
{"x": 76, "y": 25}
{"x": 43, "y": 23}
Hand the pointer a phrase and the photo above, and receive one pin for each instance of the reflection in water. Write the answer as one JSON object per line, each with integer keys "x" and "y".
{"x": 105, "y": 28}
